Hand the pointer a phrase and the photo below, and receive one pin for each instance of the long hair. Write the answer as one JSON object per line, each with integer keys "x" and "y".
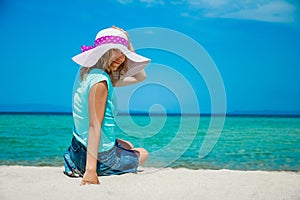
{"x": 104, "y": 63}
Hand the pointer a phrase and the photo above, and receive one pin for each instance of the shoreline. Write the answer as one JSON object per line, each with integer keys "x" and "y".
{"x": 27, "y": 182}
{"x": 147, "y": 168}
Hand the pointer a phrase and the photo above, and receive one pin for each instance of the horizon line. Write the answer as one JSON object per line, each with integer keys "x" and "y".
{"x": 163, "y": 114}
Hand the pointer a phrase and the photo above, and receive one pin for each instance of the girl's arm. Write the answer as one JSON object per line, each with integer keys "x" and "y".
{"x": 132, "y": 79}
{"x": 97, "y": 103}
{"x": 135, "y": 78}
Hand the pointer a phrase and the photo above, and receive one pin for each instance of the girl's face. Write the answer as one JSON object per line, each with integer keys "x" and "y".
{"x": 118, "y": 59}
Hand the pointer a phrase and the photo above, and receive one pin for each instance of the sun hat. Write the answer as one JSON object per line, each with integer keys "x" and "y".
{"x": 107, "y": 39}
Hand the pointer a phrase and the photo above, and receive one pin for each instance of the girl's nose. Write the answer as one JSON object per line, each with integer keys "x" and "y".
{"x": 120, "y": 57}
{"x": 118, "y": 54}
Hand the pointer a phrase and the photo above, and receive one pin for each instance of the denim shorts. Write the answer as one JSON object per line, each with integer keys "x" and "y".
{"x": 115, "y": 161}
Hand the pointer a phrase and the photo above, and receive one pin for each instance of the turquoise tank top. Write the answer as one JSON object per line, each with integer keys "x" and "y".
{"x": 80, "y": 109}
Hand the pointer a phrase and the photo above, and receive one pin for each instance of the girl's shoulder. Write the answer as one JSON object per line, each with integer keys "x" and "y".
{"x": 98, "y": 75}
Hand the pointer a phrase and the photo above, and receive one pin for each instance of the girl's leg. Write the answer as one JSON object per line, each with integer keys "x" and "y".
{"x": 125, "y": 144}
{"x": 143, "y": 154}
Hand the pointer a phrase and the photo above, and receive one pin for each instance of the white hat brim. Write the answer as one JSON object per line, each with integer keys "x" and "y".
{"x": 135, "y": 62}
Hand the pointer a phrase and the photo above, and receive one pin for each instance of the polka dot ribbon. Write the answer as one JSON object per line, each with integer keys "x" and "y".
{"x": 106, "y": 40}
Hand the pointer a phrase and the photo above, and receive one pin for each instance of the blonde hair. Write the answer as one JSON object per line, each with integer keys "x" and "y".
{"x": 104, "y": 63}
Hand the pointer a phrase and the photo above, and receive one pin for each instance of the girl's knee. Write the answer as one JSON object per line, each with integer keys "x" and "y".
{"x": 143, "y": 155}
{"x": 125, "y": 144}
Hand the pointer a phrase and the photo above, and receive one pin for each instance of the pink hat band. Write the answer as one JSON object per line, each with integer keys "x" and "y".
{"x": 106, "y": 40}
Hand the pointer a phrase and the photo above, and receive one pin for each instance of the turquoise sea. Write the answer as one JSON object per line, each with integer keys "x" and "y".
{"x": 245, "y": 143}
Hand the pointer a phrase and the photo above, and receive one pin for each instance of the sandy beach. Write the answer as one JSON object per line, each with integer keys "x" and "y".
{"x": 19, "y": 182}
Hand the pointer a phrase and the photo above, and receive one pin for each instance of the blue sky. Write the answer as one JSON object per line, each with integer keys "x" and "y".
{"x": 254, "y": 44}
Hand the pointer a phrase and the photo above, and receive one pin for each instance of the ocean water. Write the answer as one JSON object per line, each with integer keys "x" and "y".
{"x": 245, "y": 143}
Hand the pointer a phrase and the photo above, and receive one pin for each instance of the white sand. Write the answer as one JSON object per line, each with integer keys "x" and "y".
{"x": 49, "y": 183}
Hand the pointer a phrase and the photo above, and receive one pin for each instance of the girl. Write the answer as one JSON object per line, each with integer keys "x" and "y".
{"x": 95, "y": 150}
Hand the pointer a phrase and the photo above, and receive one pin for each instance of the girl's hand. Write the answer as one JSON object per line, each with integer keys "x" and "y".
{"x": 130, "y": 47}
{"x": 90, "y": 178}
{"x": 122, "y": 31}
